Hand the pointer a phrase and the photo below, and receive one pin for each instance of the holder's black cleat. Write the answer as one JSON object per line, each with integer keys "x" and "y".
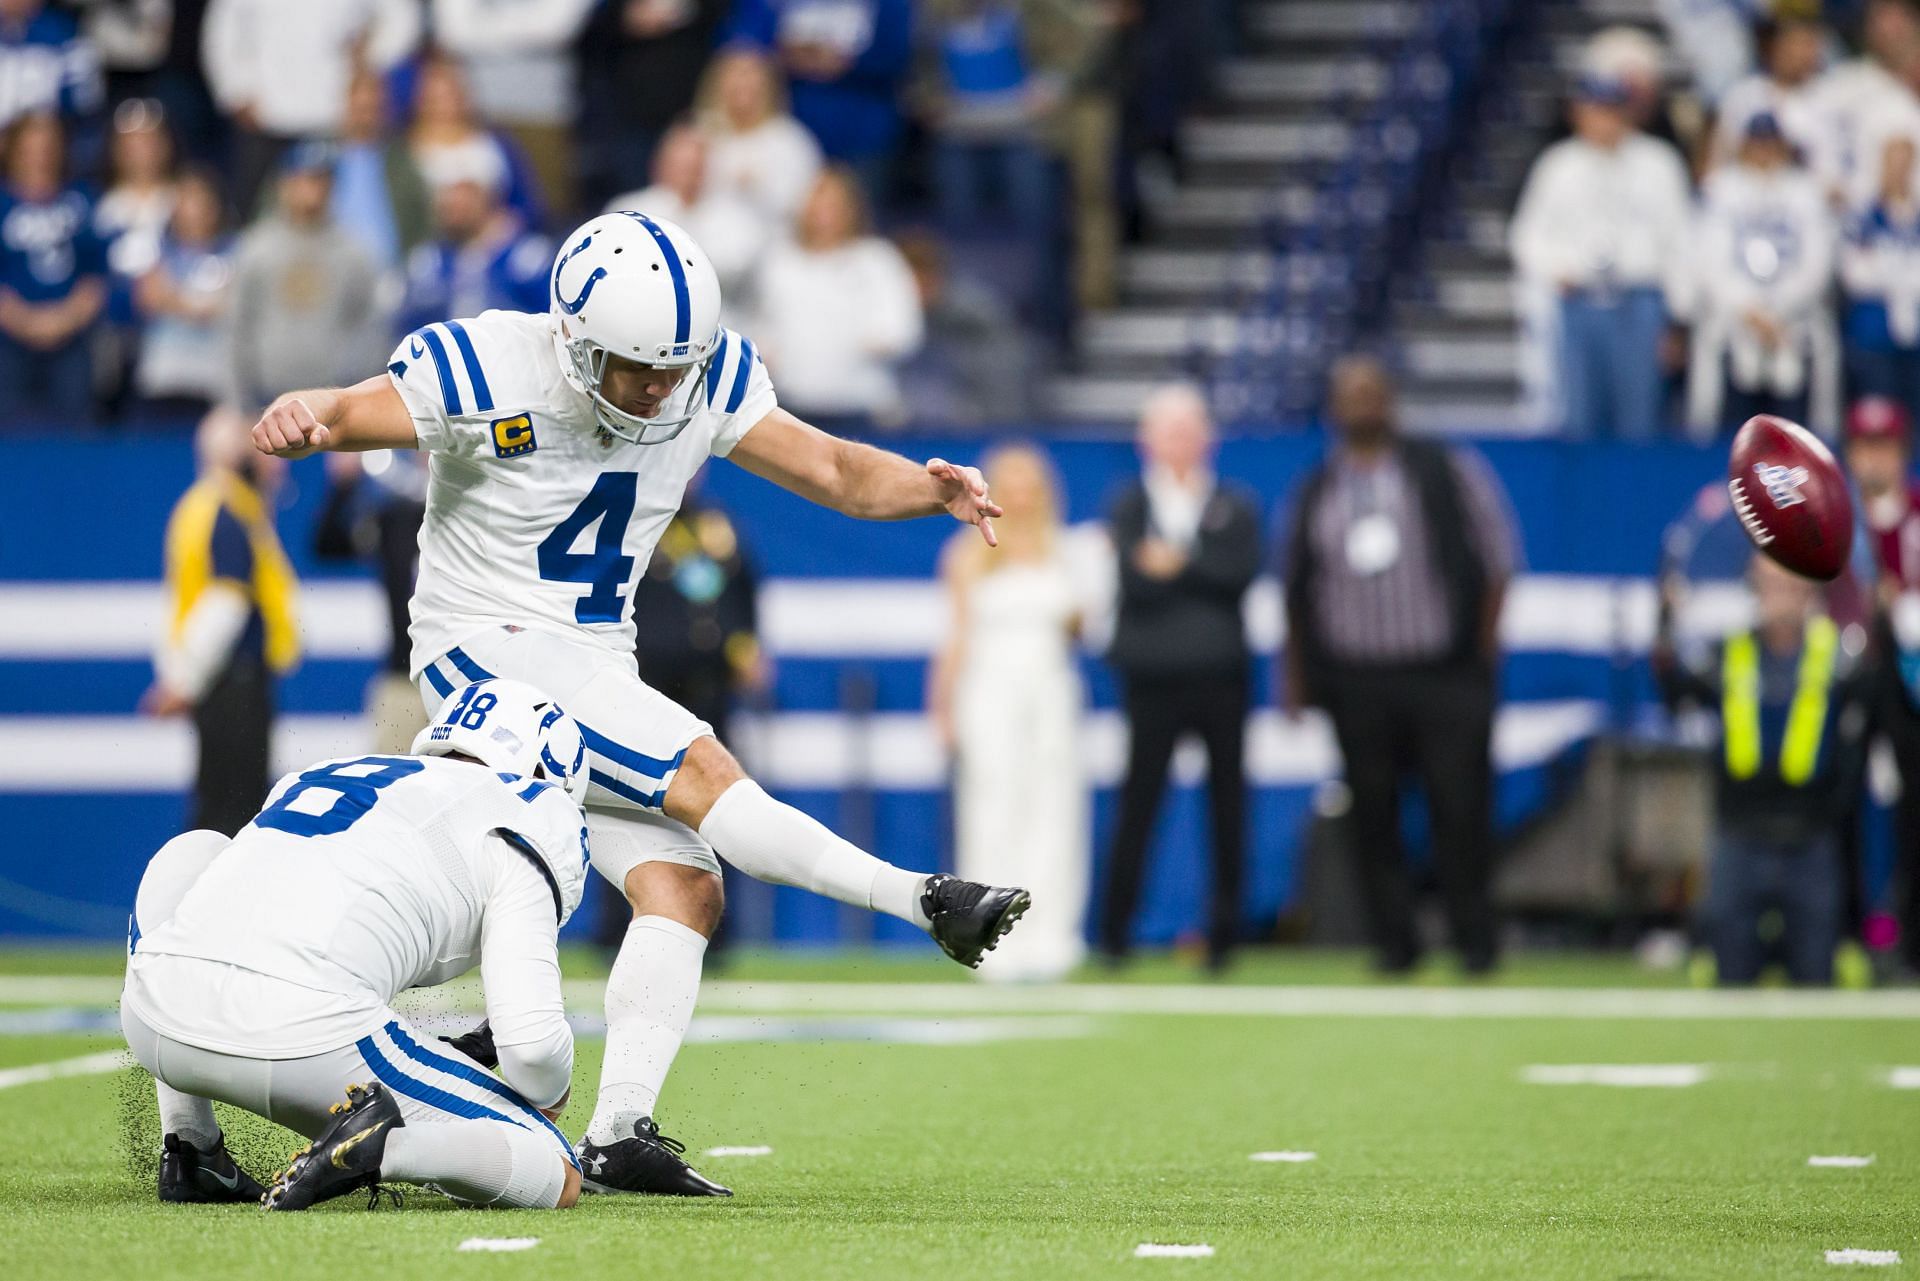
{"x": 189, "y": 1176}
{"x": 345, "y": 1158}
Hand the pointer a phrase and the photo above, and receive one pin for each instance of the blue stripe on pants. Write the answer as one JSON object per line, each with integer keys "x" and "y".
{"x": 468, "y": 668}
{"x": 646, "y": 800}
{"x": 492, "y": 1085}
{"x": 627, "y": 758}
{"x": 433, "y": 1096}
{"x": 441, "y": 685}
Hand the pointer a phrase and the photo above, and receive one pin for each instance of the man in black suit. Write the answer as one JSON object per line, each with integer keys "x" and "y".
{"x": 1188, "y": 548}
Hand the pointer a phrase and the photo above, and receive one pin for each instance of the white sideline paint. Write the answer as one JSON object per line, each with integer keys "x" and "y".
{"x": 895, "y": 751}
{"x": 1904, "y": 1078}
{"x": 499, "y": 1245}
{"x": 1872, "y": 1258}
{"x": 1659, "y": 1076}
{"x": 1839, "y": 1162}
{"x": 85, "y": 1065}
{"x": 749, "y": 1150}
{"x": 1149, "y": 1250}
{"x": 927, "y": 1000}
{"x": 1290, "y": 1158}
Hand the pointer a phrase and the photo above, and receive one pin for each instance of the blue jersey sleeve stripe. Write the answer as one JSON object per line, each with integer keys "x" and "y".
{"x": 482, "y": 395}
{"x": 449, "y": 390}
{"x": 741, "y": 375}
{"x": 475, "y": 1077}
{"x": 713, "y": 368}
{"x": 441, "y": 685}
{"x": 682, "y": 301}
{"x": 468, "y": 668}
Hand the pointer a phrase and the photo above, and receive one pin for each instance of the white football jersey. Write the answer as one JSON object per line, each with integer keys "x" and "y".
{"x": 535, "y": 516}
{"x": 361, "y": 878}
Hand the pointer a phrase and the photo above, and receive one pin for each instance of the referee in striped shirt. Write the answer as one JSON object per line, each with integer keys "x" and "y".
{"x": 1397, "y": 561}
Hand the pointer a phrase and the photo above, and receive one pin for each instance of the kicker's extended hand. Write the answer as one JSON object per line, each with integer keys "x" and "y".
{"x": 963, "y": 492}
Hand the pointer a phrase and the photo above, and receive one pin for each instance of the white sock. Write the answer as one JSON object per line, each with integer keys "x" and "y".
{"x": 188, "y": 1116}
{"x": 774, "y": 842}
{"x": 481, "y": 1162}
{"x": 650, "y": 996}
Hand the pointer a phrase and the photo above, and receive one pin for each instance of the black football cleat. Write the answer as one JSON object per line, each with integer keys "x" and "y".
{"x": 648, "y": 1163}
{"x": 345, "y": 1158}
{"x": 189, "y": 1176}
{"x": 970, "y": 918}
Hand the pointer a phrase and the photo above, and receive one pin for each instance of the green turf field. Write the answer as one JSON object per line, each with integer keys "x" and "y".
{"x": 923, "y": 1128}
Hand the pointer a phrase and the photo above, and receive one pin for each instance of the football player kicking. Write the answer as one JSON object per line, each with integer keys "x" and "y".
{"x": 261, "y": 969}
{"x": 561, "y": 446}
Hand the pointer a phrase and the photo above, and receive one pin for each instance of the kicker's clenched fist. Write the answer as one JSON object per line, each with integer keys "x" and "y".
{"x": 289, "y": 430}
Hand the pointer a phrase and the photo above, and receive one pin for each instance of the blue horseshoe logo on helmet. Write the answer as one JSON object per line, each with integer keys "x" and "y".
{"x": 594, "y": 278}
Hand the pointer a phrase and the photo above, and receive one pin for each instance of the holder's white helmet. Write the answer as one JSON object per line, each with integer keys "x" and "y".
{"x": 639, "y": 288}
{"x": 511, "y": 727}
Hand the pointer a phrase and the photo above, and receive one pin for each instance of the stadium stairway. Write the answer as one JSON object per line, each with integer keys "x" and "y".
{"x": 1281, "y": 118}
{"x": 1262, "y": 254}
{"x": 1453, "y": 314}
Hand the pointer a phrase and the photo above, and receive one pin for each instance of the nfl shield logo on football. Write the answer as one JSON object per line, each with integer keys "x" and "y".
{"x": 1781, "y": 483}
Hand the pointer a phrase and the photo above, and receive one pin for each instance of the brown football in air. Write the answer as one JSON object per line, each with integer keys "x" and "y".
{"x": 1791, "y": 496}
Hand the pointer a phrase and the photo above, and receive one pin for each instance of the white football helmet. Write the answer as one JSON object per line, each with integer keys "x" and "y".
{"x": 628, "y": 285}
{"x": 511, "y": 727}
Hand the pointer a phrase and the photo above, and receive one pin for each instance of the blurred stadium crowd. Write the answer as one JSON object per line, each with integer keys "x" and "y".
{"x": 1731, "y": 226}
{"x": 220, "y": 200}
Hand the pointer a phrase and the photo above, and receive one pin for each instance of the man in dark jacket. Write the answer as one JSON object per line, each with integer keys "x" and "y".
{"x": 1188, "y": 548}
{"x": 1396, "y": 567}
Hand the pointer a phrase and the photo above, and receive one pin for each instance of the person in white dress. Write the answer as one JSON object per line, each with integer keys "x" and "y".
{"x": 1006, "y": 699}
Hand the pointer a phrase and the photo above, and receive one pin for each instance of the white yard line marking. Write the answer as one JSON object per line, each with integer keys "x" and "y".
{"x": 85, "y": 1065}
{"x": 926, "y": 999}
{"x": 1839, "y": 1162}
{"x": 1872, "y": 1258}
{"x": 1148, "y": 1250}
{"x": 1291, "y": 1158}
{"x": 1904, "y": 1078}
{"x": 499, "y": 1245}
{"x": 749, "y": 1150}
{"x": 1354, "y": 1001}
{"x": 1667, "y": 1076}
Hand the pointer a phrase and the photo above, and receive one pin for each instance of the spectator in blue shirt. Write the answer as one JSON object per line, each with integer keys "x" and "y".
{"x": 46, "y": 67}
{"x": 52, "y": 286}
{"x": 481, "y": 256}
{"x": 983, "y": 101}
{"x": 847, "y": 60}
{"x": 1880, "y": 267}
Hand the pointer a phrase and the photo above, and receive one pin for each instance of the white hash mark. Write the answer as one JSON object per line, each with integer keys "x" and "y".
{"x": 1871, "y": 1258}
{"x": 1149, "y": 1250}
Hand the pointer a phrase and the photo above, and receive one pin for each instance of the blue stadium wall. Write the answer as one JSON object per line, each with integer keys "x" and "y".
{"x": 88, "y": 790}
